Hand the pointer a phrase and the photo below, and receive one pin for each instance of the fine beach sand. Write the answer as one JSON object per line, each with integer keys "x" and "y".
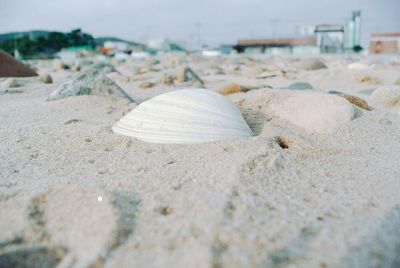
{"x": 74, "y": 194}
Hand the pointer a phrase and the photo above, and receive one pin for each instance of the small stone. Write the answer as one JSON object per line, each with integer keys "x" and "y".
{"x": 312, "y": 64}
{"x": 232, "y": 88}
{"x": 142, "y": 70}
{"x": 46, "y": 78}
{"x": 352, "y": 99}
{"x": 165, "y": 210}
{"x": 59, "y": 65}
{"x": 166, "y": 80}
{"x": 335, "y": 92}
{"x": 387, "y": 97}
{"x": 187, "y": 74}
{"x": 146, "y": 85}
{"x": 76, "y": 68}
{"x": 397, "y": 82}
{"x": 300, "y": 86}
{"x": 368, "y": 80}
{"x": 357, "y": 101}
{"x": 71, "y": 121}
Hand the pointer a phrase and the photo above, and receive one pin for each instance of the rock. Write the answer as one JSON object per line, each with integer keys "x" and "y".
{"x": 312, "y": 64}
{"x": 104, "y": 67}
{"x": 187, "y": 74}
{"x": 232, "y": 88}
{"x": 59, "y": 65}
{"x": 368, "y": 80}
{"x": 357, "y": 101}
{"x": 90, "y": 82}
{"x": 76, "y": 68}
{"x": 352, "y": 99}
{"x": 11, "y": 83}
{"x": 315, "y": 112}
{"x": 397, "y": 82}
{"x": 166, "y": 80}
{"x": 300, "y": 86}
{"x": 335, "y": 92}
{"x": 46, "y": 78}
{"x": 146, "y": 85}
{"x": 387, "y": 97}
{"x": 10, "y": 67}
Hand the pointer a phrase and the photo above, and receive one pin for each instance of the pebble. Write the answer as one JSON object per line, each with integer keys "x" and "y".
{"x": 143, "y": 70}
{"x": 312, "y": 64}
{"x": 232, "y": 88}
{"x": 387, "y": 97}
{"x": 166, "y": 80}
{"x": 46, "y": 78}
{"x": 146, "y": 85}
{"x": 76, "y": 68}
{"x": 352, "y": 99}
{"x": 357, "y": 101}
{"x": 300, "y": 86}
{"x": 368, "y": 80}
{"x": 59, "y": 65}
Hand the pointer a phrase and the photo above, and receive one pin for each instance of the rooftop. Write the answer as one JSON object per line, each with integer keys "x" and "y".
{"x": 301, "y": 41}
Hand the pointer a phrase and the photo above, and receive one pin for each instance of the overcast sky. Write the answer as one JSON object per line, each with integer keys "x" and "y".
{"x": 211, "y": 21}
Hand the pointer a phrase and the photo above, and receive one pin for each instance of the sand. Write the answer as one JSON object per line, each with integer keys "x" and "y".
{"x": 74, "y": 194}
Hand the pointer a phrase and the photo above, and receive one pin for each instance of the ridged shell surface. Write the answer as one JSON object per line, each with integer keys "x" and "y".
{"x": 184, "y": 116}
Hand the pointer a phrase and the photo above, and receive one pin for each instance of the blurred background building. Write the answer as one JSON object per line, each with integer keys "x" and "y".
{"x": 385, "y": 43}
{"x": 314, "y": 39}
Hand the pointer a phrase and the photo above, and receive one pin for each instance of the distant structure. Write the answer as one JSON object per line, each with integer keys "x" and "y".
{"x": 322, "y": 38}
{"x": 353, "y": 32}
{"x": 160, "y": 45}
{"x": 119, "y": 48}
{"x": 330, "y": 38}
{"x": 226, "y": 49}
{"x": 340, "y": 38}
{"x": 68, "y": 55}
{"x": 277, "y": 46}
{"x": 385, "y": 43}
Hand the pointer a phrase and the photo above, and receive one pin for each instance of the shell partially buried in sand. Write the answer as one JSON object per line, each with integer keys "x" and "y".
{"x": 184, "y": 116}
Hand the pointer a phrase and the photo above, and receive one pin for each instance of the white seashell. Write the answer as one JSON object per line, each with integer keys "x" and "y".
{"x": 184, "y": 116}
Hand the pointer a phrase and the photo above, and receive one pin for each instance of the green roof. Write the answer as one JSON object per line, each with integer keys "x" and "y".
{"x": 77, "y": 48}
